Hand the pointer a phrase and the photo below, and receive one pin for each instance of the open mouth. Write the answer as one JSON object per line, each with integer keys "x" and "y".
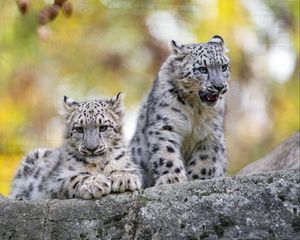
{"x": 210, "y": 98}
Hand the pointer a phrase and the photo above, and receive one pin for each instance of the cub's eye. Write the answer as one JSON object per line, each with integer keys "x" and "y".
{"x": 224, "y": 67}
{"x": 203, "y": 70}
{"x": 79, "y": 129}
{"x": 102, "y": 128}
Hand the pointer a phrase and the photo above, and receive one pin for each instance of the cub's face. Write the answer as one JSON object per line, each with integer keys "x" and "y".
{"x": 202, "y": 69}
{"x": 94, "y": 127}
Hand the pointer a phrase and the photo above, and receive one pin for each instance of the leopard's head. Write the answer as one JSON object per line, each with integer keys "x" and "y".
{"x": 202, "y": 69}
{"x": 93, "y": 128}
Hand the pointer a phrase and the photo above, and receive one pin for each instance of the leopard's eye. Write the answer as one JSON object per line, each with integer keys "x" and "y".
{"x": 224, "y": 67}
{"x": 79, "y": 129}
{"x": 102, "y": 128}
{"x": 203, "y": 70}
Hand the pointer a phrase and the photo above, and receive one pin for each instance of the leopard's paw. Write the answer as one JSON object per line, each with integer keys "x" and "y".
{"x": 170, "y": 178}
{"x": 123, "y": 181}
{"x": 95, "y": 187}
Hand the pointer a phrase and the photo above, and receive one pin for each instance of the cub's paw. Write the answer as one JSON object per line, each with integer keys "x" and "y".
{"x": 122, "y": 181}
{"x": 95, "y": 187}
{"x": 170, "y": 178}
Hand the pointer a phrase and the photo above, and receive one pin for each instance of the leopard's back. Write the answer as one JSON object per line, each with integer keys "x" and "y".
{"x": 32, "y": 175}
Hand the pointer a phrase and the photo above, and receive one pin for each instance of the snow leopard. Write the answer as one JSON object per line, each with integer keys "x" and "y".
{"x": 180, "y": 128}
{"x": 93, "y": 160}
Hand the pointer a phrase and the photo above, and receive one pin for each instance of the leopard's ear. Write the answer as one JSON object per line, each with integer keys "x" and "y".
{"x": 116, "y": 103}
{"x": 180, "y": 50}
{"x": 177, "y": 48}
{"x": 217, "y": 39}
{"x": 69, "y": 103}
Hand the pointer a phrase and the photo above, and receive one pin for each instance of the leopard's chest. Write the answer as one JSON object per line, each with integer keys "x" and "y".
{"x": 74, "y": 167}
{"x": 94, "y": 168}
{"x": 199, "y": 129}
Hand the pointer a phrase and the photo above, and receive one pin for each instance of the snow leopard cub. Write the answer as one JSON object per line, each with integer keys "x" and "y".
{"x": 91, "y": 162}
{"x": 180, "y": 132}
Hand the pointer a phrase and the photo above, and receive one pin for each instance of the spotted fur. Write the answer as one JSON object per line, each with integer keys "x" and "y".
{"x": 179, "y": 134}
{"x": 92, "y": 162}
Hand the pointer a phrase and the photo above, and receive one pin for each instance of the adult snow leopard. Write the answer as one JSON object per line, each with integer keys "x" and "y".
{"x": 180, "y": 133}
{"x": 91, "y": 162}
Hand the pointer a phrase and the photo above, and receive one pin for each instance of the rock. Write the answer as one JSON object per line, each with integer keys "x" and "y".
{"x": 2, "y": 197}
{"x": 264, "y": 206}
{"x": 285, "y": 156}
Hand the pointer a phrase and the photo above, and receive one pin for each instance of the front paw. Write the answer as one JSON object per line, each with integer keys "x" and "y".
{"x": 95, "y": 187}
{"x": 122, "y": 181}
{"x": 170, "y": 178}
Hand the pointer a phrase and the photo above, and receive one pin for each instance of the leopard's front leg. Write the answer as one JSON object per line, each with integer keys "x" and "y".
{"x": 208, "y": 160}
{"x": 86, "y": 186}
{"x": 124, "y": 174}
{"x": 165, "y": 156}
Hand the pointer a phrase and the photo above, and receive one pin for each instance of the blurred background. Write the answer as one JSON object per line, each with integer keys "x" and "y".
{"x": 96, "y": 48}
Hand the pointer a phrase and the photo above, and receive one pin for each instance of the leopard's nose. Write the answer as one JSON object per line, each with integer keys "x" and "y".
{"x": 92, "y": 150}
{"x": 220, "y": 88}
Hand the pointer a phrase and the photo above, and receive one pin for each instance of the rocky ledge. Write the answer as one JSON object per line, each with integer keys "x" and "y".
{"x": 263, "y": 206}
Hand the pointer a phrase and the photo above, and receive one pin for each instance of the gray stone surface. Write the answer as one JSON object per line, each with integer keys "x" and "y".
{"x": 2, "y": 197}
{"x": 265, "y": 206}
{"x": 285, "y": 156}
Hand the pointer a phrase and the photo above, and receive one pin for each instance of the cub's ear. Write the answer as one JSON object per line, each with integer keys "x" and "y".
{"x": 116, "y": 103}
{"x": 69, "y": 103}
